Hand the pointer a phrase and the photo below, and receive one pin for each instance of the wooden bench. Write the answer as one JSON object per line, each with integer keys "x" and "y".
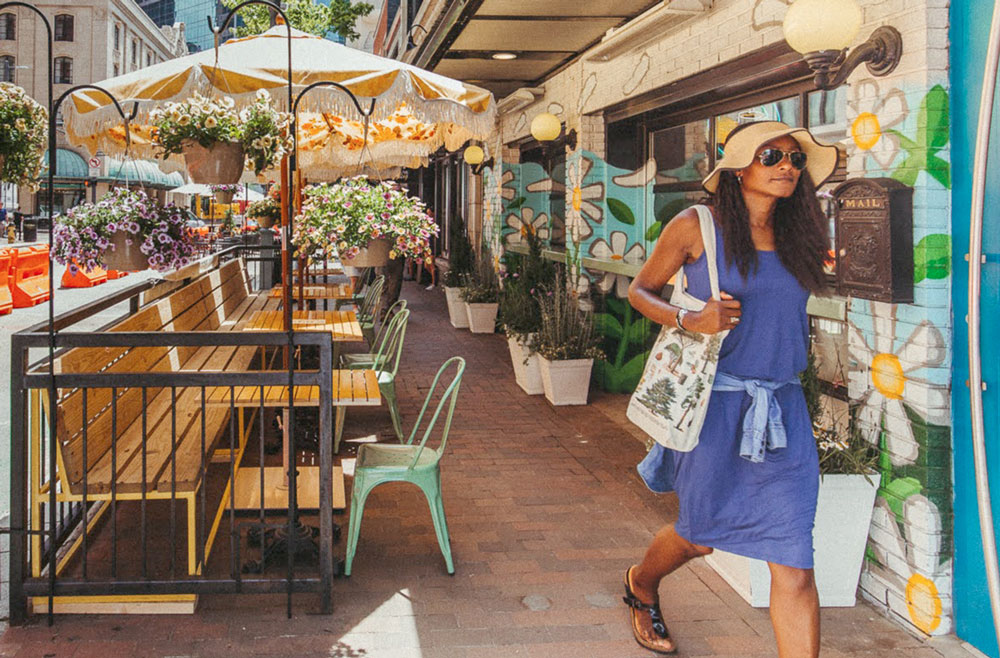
{"x": 111, "y": 462}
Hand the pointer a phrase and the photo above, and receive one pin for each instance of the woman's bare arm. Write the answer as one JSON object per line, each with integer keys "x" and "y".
{"x": 679, "y": 243}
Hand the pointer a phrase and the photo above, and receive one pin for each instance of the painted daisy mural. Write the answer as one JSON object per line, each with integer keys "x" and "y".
{"x": 874, "y": 115}
{"x": 884, "y": 379}
{"x": 528, "y": 222}
{"x": 585, "y": 199}
{"x": 906, "y": 545}
{"x": 616, "y": 249}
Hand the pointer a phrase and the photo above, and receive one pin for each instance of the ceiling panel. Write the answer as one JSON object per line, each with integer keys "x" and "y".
{"x": 564, "y": 7}
{"x": 499, "y": 89}
{"x": 464, "y": 69}
{"x": 532, "y": 35}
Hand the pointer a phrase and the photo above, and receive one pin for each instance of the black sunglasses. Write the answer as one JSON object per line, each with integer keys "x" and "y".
{"x": 771, "y": 157}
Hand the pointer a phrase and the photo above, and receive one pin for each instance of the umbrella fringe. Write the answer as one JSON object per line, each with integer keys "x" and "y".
{"x": 90, "y": 128}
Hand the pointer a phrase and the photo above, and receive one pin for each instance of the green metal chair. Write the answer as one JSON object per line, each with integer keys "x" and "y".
{"x": 376, "y": 339}
{"x": 385, "y": 362}
{"x": 359, "y": 294}
{"x": 367, "y": 310}
{"x": 419, "y": 464}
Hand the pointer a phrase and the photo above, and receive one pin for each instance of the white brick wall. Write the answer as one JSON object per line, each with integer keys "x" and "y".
{"x": 912, "y": 543}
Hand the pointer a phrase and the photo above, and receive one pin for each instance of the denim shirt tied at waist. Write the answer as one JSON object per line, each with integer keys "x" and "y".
{"x": 762, "y": 425}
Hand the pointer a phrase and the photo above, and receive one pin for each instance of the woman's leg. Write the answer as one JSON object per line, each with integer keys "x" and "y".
{"x": 668, "y": 552}
{"x": 794, "y": 611}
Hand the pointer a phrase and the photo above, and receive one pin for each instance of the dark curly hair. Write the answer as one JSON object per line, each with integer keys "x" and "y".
{"x": 801, "y": 233}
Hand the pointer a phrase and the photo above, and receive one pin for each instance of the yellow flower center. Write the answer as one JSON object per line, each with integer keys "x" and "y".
{"x": 887, "y": 376}
{"x": 577, "y": 198}
{"x": 526, "y": 230}
{"x": 866, "y": 131}
{"x": 923, "y": 603}
{"x": 617, "y": 257}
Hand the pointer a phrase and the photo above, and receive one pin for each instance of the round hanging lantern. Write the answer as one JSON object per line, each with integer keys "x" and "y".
{"x": 473, "y": 155}
{"x": 545, "y": 127}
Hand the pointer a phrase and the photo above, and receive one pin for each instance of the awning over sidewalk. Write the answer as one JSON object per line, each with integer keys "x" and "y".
{"x": 142, "y": 171}
{"x": 69, "y": 164}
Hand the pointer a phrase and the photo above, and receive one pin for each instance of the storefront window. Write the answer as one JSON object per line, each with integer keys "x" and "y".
{"x": 681, "y": 152}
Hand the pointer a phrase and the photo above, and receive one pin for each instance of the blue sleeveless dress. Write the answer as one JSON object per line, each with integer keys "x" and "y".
{"x": 761, "y": 510}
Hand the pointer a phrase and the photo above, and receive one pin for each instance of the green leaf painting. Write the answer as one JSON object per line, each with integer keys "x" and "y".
{"x": 621, "y": 211}
{"x": 608, "y": 326}
{"x": 932, "y": 136}
{"x": 653, "y": 232}
{"x": 932, "y": 258}
{"x": 516, "y": 203}
{"x": 626, "y": 337}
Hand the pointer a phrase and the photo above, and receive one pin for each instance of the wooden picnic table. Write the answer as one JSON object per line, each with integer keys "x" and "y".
{"x": 350, "y": 388}
{"x": 342, "y": 325}
{"x": 316, "y": 291}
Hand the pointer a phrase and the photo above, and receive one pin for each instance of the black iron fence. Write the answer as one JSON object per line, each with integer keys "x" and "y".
{"x": 125, "y": 461}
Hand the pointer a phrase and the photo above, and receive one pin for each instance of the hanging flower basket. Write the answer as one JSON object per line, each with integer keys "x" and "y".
{"x": 374, "y": 254}
{"x": 219, "y": 164}
{"x": 265, "y": 212}
{"x": 217, "y": 141}
{"x": 24, "y": 138}
{"x": 363, "y": 223}
{"x": 125, "y": 254}
{"x": 93, "y": 235}
{"x": 224, "y": 193}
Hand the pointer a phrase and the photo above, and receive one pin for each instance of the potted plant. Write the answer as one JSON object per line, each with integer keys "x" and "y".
{"x": 848, "y": 485}
{"x": 266, "y": 211}
{"x": 224, "y": 193}
{"x": 217, "y": 141}
{"x": 364, "y": 222}
{"x": 520, "y": 313}
{"x": 482, "y": 294}
{"x": 567, "y": 344}
{"x": 125, "y": 230}
{"x": 24, "y": 137}
{"x": 459, "y": 268}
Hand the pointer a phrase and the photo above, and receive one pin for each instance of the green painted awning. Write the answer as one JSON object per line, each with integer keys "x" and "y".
{"x": 68, "y": 165}
{"x": 144, "y": 171}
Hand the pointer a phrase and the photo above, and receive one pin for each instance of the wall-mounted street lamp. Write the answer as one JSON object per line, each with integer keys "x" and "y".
{"x": 474, "y": 157}
{"x": 410, "y": 43}
{"x": 546, "y": 127}
{"x": 822, "y": 30}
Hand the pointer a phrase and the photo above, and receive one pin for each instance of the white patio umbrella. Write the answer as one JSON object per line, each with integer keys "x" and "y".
{"x": 415, "y": 112}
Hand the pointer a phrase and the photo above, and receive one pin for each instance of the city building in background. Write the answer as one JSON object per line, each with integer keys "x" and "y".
{"x": 192, "y": 14}
{"x": 94, "y": 40}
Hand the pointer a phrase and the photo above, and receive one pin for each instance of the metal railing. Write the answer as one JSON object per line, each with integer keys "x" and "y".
{"x": 139, "y": 429}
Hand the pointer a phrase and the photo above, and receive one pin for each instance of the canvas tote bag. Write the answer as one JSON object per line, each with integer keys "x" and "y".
{"x": 672, "y": 397}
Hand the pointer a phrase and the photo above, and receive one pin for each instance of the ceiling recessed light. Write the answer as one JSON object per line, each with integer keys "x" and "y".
{"x": 504, "y": 56}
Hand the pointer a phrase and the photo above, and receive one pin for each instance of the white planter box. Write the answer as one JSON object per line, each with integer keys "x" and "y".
{"x": 457, "y": 313}
{"x": 483, "y": 317}
{"x": 565, "y": 382}
{"x": 526, "y": 368}
{"x": 843, "y": 517}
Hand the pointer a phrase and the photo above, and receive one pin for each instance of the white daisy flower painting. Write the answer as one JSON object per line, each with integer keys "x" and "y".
{"x": 874, "y": 116}
{"x": 616, "y": 248}
{"x": 884, "y": 379}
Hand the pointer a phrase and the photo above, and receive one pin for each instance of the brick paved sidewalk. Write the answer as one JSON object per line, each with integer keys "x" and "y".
{"x": 545, "y": 513}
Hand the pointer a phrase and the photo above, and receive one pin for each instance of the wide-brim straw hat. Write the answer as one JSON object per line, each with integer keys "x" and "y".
{"x": 742, "y": 145}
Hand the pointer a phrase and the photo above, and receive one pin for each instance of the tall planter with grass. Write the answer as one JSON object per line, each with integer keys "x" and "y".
{"x": 567, "y": 345}
{"x": 520, "y": 313}
{"x": 482, "y": 295}
{"x": 455, "y": 279}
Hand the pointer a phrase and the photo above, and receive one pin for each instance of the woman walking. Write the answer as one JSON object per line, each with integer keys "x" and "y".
{"x": 752, "y": 495}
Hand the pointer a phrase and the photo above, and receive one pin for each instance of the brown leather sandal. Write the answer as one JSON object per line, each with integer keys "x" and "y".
{"x": 662, "y": 643}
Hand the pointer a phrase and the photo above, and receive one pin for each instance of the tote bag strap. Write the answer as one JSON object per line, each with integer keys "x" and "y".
{"x": 707, "y": 225}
